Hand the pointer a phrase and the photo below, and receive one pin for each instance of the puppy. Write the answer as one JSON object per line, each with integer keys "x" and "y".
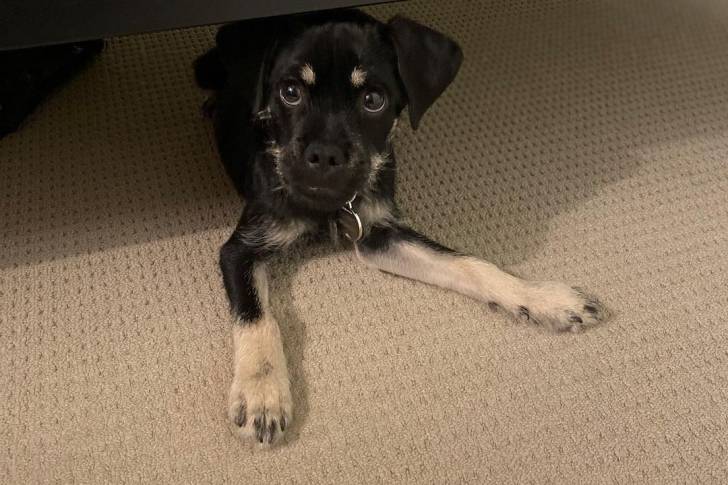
{"x": 305, "y": 108}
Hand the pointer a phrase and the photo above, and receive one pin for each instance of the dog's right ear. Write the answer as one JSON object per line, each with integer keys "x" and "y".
{"x": 210, "y": 72}
{"x": 427, "y": 61}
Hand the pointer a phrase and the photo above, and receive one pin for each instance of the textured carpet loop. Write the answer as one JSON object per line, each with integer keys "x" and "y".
{"x": 582, "y": 141}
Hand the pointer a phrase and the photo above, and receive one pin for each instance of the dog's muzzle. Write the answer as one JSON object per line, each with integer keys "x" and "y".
{"x": 324, "y": 177}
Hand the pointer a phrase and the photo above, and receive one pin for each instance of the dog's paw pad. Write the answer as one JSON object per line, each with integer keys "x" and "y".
{"x": 559, "y": 307}
{"x": 260, "y": 408}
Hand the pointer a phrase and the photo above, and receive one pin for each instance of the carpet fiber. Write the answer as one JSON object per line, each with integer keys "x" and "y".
{"x": 583, "y": 141}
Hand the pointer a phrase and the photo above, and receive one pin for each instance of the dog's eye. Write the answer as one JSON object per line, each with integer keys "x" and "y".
{"x": 291, "y": 94}
{"x": 374, "y": 101}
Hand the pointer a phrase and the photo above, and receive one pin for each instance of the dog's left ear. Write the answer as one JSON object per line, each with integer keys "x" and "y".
{"x": 427, "y": 61}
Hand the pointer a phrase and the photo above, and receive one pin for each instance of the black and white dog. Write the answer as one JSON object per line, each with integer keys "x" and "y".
{"x": 305, "y": 108}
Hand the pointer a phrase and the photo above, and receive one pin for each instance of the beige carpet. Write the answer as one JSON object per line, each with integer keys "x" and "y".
{"x": 584, "y": 141}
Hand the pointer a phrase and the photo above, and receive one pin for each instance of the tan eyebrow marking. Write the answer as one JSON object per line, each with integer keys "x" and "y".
{"x": 307, "y": 74}
{"x": 358, "y": 76}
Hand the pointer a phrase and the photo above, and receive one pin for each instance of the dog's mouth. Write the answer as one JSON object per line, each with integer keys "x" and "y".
{"x": 319, "y": 191}
{"x": 320, "y": 198}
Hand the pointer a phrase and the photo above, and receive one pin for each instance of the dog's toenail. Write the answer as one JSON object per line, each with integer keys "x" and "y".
{"x": 271, "y": 431}
{"x": 523, "y": 312}
{"x": 241, "y": 417}
{"x": 258, "y": 428}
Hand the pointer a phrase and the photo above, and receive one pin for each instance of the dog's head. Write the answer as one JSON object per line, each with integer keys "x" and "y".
{"x": 330, "y": 90}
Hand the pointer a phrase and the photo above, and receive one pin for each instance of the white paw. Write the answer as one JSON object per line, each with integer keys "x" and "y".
{"x": 260, "y": 405}
{"x": 559, "y": 307}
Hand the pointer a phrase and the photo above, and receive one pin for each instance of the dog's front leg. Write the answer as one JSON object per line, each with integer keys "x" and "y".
{"x": 260, "y": 404}
{"x": 402, "y": 251}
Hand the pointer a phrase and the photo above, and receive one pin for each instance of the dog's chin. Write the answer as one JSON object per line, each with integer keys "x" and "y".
{"x": 320, "y": 199}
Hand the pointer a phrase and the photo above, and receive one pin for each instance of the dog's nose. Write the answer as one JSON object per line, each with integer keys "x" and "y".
{"x": 323, "y": 157}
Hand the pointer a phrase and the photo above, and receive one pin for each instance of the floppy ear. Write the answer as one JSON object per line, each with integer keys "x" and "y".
{"x": 427, "y": 61}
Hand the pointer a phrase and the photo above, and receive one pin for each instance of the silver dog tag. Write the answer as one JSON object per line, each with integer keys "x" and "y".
{"x": 350, "y": 223}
